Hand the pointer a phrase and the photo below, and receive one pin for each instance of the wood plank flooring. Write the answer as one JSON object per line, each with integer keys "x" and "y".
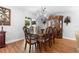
{"x": 60, "y": 46}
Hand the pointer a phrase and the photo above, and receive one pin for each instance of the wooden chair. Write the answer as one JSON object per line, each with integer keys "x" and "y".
{"x": 57, "y": 32}
{"x": 31, "y": 39}
{"x": 50, "y": 35}
{"x": 46, "y": 38}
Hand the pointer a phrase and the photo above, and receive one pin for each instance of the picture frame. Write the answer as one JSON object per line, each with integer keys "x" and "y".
{"x": 5, "y": 16}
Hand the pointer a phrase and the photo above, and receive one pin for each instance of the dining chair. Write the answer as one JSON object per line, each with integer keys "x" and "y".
{"x": 46, "y": 38}
{"x": 31, "y": 39}
{"x": 50, "y": 35}
{"x": 58, "y": 32}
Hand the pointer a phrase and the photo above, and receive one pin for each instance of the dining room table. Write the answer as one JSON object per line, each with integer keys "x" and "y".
{"x": 39, "y": 37}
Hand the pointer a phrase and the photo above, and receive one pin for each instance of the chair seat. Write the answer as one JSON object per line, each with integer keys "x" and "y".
{"x": 42, "y": 40}
{"x": 32, "y": 41}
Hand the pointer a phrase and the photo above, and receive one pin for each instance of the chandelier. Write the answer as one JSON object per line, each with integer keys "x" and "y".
{"x": 43, "y": 11}
{"x": 41, "y": 17}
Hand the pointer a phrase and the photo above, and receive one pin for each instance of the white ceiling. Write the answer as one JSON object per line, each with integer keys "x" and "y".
{"x": 32, "y": 11}
{"x": 34, "y": 8}
{"x": 48, "y": 8}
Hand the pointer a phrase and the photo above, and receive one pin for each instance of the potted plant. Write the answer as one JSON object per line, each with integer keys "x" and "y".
{"x": 27, "y": 23}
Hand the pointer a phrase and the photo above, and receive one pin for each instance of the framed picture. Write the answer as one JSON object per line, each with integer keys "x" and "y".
{"x": 5, "y": 16}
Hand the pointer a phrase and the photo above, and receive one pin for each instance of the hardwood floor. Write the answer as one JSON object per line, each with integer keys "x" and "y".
{"x": 60, "y": 46}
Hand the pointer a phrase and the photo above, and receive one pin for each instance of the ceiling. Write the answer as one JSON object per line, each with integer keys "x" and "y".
{"x": 32, "y": 11}
{"x": 48, "y": 8}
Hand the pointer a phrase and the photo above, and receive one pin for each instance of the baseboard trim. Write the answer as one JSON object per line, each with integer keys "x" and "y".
{"x": 23, "y": 39}
{"x": 69, "y": 38}
{"x": 14, "y": 40}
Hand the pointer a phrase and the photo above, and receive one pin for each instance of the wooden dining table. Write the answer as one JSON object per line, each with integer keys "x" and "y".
{"x": 39, "y": 38}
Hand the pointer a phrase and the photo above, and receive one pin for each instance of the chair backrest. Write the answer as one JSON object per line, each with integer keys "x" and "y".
{"x": 49, "y": 30}
{"x": 26, "y": 30}
{"x": 31, "y": 29}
